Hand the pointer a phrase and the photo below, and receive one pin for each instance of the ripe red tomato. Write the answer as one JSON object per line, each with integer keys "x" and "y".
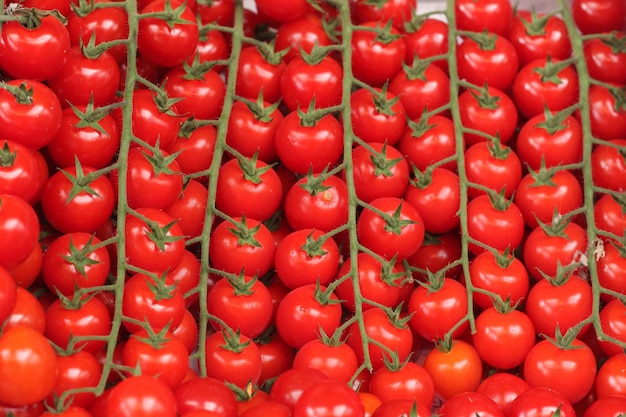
{"x": 154, "y": 242}
{"x": 259, "y": 70}
{"x": 243, "y": 303}
{"x": 488, "y": 110}
{"x": 454, "y": 369}
{"x": 301, "y": 35}
{"x": 438, "y": 253}
{"x": 72, "y": 200}
{"x": 28, "y": 312}
{"x": 478, "y": 15}
{"x": 559, "y": 304}
{"x": 304, "y": 311}
{"x": 540, "y": 401}
{"x": 165, "y": 357}
{"x": 408, "y": 381}
{"x": 398, "y": 11}
{"x": 598, "y": 16}
{"x": 386, "y": 332}
{"x": 19, "y": 171}
{"x": 328, "y": 399}
{"x": 398, "y": 232}
{"x": 317, "y": 202}
{"x": 93, "y": 145}
{"x": 25, "y": 100}
{"x": 305, "y": 80}
{"x": 439, "y": 188}
{"x": 487, "y": 58}
{"x": 545, "y": 82}
{"x": 611, "y": 268}
{"x": 19, "y": 230}
{"x": 608, "y": 166}
{"x": 47, "y": 43}
{"x": 503, "y": 338}
{"x": 610, "y": 377}
{"x": 379, "y": 170}
{"x": 78, "y": 322}
{"x": 428, "y": 141}
{"x": 607, "y": 112}
{"x": 141, "y": 396}
{"x": 199, "y": 91}
{"x": 377, "y": 116}
{"x": 537, "y": 35}
{"x": 256, "y": 184}
{"x": 71, "y": 262}
{"x": 189, "y": 209}
{"x": 167, "y": 42}
{"x": 613, "y": 324}
{"x": 153, "y": 302}
{"x": 207, "y": 394}
{"x": 503, "y": 275}
{"x": 469, "y": 404}
{"x": 337, "y": 360}
{"x": 242, "y": 246}
{"x": 493, "y": 166}
{"x": 28, "y": 366}
{"x": 80, "y": 372}
{"x": 8, "y": 294}
{"x": 289, "y": 385}
{"x": 570, "y": 370}
{"x": 502, "y": 388}
{"x": 233, "y": 358}
{"x": 375, "y": 61}
{"x": 604, "y": 58}
{"x": 612, "y": 406}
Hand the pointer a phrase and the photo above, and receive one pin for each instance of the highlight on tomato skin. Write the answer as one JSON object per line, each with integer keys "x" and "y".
{"x": 370, "y": 208}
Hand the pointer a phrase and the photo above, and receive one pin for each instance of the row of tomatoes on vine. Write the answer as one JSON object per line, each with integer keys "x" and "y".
{"x": 156, "y": 158}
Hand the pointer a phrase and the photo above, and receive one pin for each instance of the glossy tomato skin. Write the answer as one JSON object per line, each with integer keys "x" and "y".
{"x": 140, "y": 396}
{"x": 237, "y": 189}
{"x": 538, "y": 35}
{"x": 16, "y": 119}
{"x": 205, "y": 394}
{"x": 608, "y": 166}
{"x": 503, "y": 339}
{"x": 301, "y": 34}
{"x": 377, "y": 117}
{"x": 476, "y": 16}
{"x": 71, "y": 263}
{"x": 65, "y": 323}
{"x": 398, "y": 11}
{"x": 495, "y": 167}
{"x": 163, "y": 43}
{"x": 410, "y": 382}
{"x": 301, "y": 313}
{"x": 538, "y": 142}
{"x": 535, "y": 87}
{"x": 607, "y": 115}
{"x": 28, "y": 312}
{"x": 199, "y": 95}
{"x": 378, "y": 282}
{"x": 445, "y": 367}
{"x": 597, "y": 16}
{"x": 289, "y": 385}
{"x": 506, "y": 277}
{"x": 374, "y": 233}
{"x": 610, "y": 377}
{"x": 380, "y": 172}
{"x": 437, "y": 254}
{"x": 92, "y": 147}
{"x": 329, "y": 399}
{"x": 435, "y": 312}
{"x": 429, "y": 38}
{"x": 102, "y": 74}
{"x": 492, "y": 226}
{"x": 439, "y": 188}
{"x": 613, "y": 325}
{"x": 48, "y": 45}
{"x": 301, "y": 82}
{"x": 490, "y": 111}
{"x": 248, "y": 310}
{"x": 324, "y": 209}
{"x": 611, "y": 268}
{"x": 189, "y": 209}
{"x": 542, "y": 402}
{"x": 8, "y": 294}
{"x": 85, "y": 211}
{"x": 496, "y": 66}
{"x": 339, "y": 362}
{"x": 19, "y": 230}
{"x": 78, "y": 371}
{"x": 470, "y": 404}
{"x": 167, "y": 361}
{"x": 387, "y": 331}
{"x": 612, "y": 406}
{"x": 142, "y": 247}
{"x": 240, "y": 366}
{"x": 604, "y": 58}
{"x": 257, "y": 72}
{"x": 195, "y": 148}
{"x": 19, "y": 172}
{"x": 569, "y": 371}
{"x": 427, "y": 89}
{"x": 28, "y": 366}
{"x": 429, "y": 143}
{"x": 305, "y": 257}
{"x": 502, "y": 388}
{"x": 374, "y": 62}
{"x": 140, "y": 303}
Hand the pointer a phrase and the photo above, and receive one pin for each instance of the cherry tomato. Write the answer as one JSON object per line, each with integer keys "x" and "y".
{"x": 140, "y": 396}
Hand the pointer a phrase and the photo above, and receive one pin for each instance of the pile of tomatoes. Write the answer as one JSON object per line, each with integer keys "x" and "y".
{"x": 312, "y": 208}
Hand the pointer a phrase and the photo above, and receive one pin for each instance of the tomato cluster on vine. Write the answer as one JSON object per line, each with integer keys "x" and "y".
{"x": 312, "y": 208}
